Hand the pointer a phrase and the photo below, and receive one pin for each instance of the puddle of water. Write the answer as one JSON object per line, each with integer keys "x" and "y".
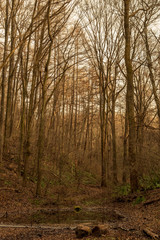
{"x": 64, "y": 217}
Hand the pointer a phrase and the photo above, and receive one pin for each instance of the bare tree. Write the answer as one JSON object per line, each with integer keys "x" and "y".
{"x": 130, "y": 99}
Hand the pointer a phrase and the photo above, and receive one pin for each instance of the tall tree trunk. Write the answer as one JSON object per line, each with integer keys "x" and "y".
{"x": 130, "y": 99}
{"x": 113, "y": 125}
{"x": 140, "y": 124}
{"x": 150, "y": 67}
{"x": 33, "y": 91}
{"x": 41, "y": 137}
{"x": 26, "y": 153}
{"x": 125, "y": 148}
{"x": 103, "y": 133}
{"x": 8, "y": 120}
{"x": 24, "y": 77}
{"x": 3, "y": 83}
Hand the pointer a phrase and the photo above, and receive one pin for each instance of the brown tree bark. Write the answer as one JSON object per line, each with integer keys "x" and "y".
{"x": 113, "y": 128}
{"x": 130, "y": 99}
{"x": 125, "y": 148}
{"x": 9, "y": 119}
{"x": 3, "y": 82}
{"x": 150, "y": 68}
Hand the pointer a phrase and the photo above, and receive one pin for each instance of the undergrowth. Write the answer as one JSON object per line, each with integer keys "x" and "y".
{"x": 122, "y": 190}
{"x": 150, "y": 182}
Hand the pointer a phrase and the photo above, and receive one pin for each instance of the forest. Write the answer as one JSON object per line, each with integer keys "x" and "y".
{"x": 80, "y": 97}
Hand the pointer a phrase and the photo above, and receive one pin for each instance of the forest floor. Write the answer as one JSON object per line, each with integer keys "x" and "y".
{"x": 23, "y": 216}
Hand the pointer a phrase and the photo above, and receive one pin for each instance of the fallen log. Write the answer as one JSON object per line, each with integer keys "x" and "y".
{"x": 100, "y": 230}
{"x": 83, "y": 231}
{"x": 151, "y": 201}
{"x": 7, "y": 189}
{"x": 151, "y": 234}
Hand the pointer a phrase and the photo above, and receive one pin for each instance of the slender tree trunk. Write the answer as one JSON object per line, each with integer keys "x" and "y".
{"x": 41, "y": 137}
{"x": 140, "y": 124}
{"x": 150, "y": 67}
{"x": 125, "y": 148}
{"x": 114, "y": 150}
{"x": 3, "y": 83}
{"x": 24, "y": 77}
{"x": 26, "y": 153}
{"x": 113, "y": 125}
{"x": 32, "y": 98}
{"x": 8, "y": 120}
{"x": 103, "y": 132}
